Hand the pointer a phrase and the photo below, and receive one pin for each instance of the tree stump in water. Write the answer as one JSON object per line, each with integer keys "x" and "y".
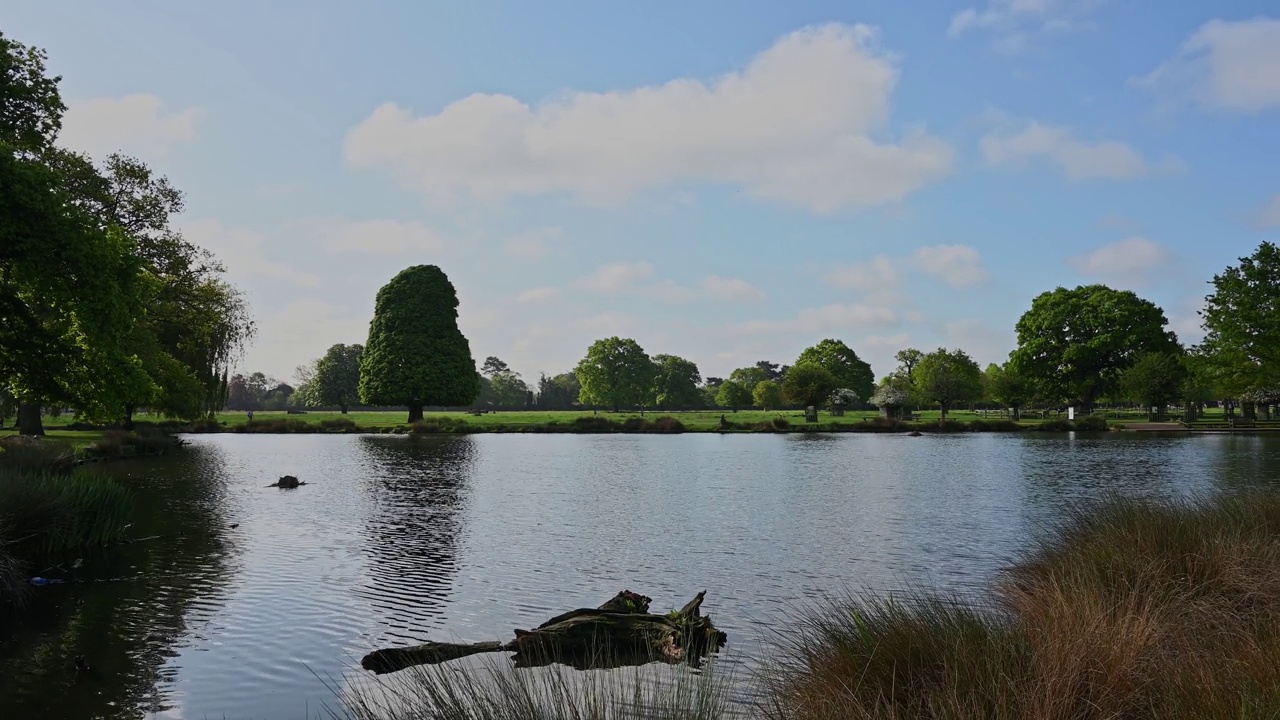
{"x": 619, "y": 633}
{"x": 287, "y": 482}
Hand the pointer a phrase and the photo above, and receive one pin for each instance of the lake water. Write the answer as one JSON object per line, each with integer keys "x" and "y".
{"x": 396, "y": 540}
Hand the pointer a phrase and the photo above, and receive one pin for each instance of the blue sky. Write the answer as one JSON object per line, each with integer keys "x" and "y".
{"x": 729, "y": 182}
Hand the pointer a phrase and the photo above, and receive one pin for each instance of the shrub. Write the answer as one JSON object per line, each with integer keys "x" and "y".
{"x": 1091, "y": 423}
{"x": 666, "y": 424}
{"x": 438, "y": 424}
{"x": 205, "y": 425}
{"x": 633, "y": 425}
{"x": 45, "y": 512}
{"x": 781, "y": 423}
{"x": 338, "y": 425}
{"x": 594, "y": 424}
{"x": 885, "y": 423}
{"x": 943, "y": 426}
{"x": 35, "y": 454}
{"x": 275, "y": 426}
{"x": 1056, "y": 425}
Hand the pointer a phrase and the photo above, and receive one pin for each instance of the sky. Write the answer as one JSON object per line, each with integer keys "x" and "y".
{"x": 724, "y": 181}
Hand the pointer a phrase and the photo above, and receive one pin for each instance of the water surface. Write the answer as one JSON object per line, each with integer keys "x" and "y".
{"x": 397, "y": 540}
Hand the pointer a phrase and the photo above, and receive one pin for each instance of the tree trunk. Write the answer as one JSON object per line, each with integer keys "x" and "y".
{"x": 619, "y": 633}
{"x": 343, "y": 408}
{"x": 29, "y": 421}
{"x": 128, "y": 416}
{"x": 1017, "y": 413}
{"x": 415, "y": 413}
{"x": 944, "y": 411}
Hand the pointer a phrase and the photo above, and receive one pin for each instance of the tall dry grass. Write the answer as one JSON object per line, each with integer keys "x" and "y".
{"x": 1127, "y": 610}
{"x": 492, "y": 689}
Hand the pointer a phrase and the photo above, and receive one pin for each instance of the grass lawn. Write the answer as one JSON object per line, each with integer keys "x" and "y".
{"x": 77, "y": 438}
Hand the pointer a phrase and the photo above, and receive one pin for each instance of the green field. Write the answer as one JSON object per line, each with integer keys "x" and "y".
{"x": 516, "y": 421}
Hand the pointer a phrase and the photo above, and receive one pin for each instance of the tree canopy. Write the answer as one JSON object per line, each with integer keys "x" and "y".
{"x": 416, "y": 356}
{"x": 948, "y": 377}
{"x": 767, "y": 395}
{"x": 1076, "y": 343}
{"x": 500, "y": 386}
{"x": 849, "y": 370}
{"x": 733, "y": 394}
{"x": 1009, "y": 387}
{"x": 1242, "y": 324}
{"x": 616, "y": 373}
{"x": 808, "y": 384}
{"x": 1155, "y": 379}
{"x": 337, "y": 377}
{"x": 676, "y": 382}
{"x": 559, "y": 392}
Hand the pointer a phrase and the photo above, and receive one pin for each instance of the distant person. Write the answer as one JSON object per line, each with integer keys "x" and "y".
{"x": 250, "y": 414}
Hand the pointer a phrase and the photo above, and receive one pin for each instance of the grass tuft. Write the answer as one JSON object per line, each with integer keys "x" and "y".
{"x": 1125, "y": 610}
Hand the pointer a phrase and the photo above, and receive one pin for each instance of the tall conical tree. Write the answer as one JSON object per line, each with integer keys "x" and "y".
{"x": 416, "y": 356}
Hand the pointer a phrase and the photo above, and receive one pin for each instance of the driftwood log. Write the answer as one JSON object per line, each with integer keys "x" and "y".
{"x": 620, "y": 632}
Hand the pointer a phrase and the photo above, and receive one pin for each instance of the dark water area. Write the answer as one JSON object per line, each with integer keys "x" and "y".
{"x": 397, "y": 540}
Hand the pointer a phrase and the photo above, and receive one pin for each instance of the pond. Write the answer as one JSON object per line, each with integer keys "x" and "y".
{"x": 255, "y": 602}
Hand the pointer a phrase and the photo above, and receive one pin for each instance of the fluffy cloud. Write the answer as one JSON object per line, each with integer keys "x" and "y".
{"x": 1131, "y": 258}
{"x": 532, "y": 245}
{"x": 1225, "y": 65}
{"x": 1078, "y": 159}
{"x": 617, "y": 277}
{"x": 1270, "y": 215}
{"x": 731, "y": 289}
{"x": 874, "y": 277}
{"x": 378, "y": 237}
{"x": 1015, "y": 19}
{"x": 823, "y": 319}
{"x": 538, "y": 294}
{"x": 957, "y": 265}
{"x": 133, "y": 125}
{"x": 794, "y": 126}
{"x": 243, "y": 252}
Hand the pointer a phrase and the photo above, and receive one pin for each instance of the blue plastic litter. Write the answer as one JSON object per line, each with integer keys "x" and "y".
{"x": 37, "y": 581}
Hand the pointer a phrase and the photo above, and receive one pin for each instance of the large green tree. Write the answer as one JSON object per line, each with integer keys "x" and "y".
{"x": 416, "y": 356}
{"x": 676, "y": 382}
{"x": 616, "y": 373}
{"x": 1074, "y": 344}
{"x": 1242, "y": 324}
{"x": 337, "y": 377}
{"x": 1009, "y": 387}
{"x": 559, "y": 392}
{"x": 948, "y": 377}
{"x": 500, "y": 386}
{"x": 733, "y": 395}
{"x": 1155, "y": 380}
{"x": 841, "y": 361}
{"x": 767, "y": 395}
{"x": 808, "y": 384}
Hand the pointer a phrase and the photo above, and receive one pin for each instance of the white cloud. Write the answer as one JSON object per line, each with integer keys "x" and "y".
{"x": 1131, "y": 258}
{"x": 617, "y": 277}
{"x": 1078, "y": 159}
{"x": 1015, "y": 19}
{"x": 795, "y": 126}
{"x": 959, "y": 266}
{"x": 533, "y": 244}
{"x": 873, "y": 277}
{"x": 731, "y": 289}
{"x": 132, "y": 125}
{"x": 538, "y": 294}
{"x": 1225, "y": 65}
{"x": 378, "y": 237}
{"x": 1270, "y": 215}
{"x": 242, "y": 252}
{"x": 823, "y": 319}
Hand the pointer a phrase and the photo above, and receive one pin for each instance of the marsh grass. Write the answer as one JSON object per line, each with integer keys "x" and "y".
{"x": 490, "y": 688}
{"x": 1128, "y": 609}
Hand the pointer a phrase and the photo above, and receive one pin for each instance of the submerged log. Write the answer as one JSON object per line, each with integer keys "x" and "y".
{"x": 287, "y": 481}
{"x": 619, "y": 633}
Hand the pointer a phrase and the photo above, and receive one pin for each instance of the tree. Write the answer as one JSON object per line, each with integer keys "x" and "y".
{"x": 733, "y": 395}
{"x": 1009, "y": 387}
{"x": 1074, "y": 344}
{"x": 768, "y": 395}
{"x": 415, "y": 355}
{"x": 808, "y": 384}
{"x": 749, "y": 377}
{"x": 1155, "y": 380}
{"x": 908, "y": 359}
{"x": 1242, "y": 323}
{"x": 503, "y": 389}
{"x": 559, "y": 392}
{"x": 890, "y": 399}
{"x": 616, "y": 372}
{"x": 337, "y": 377}
{"x": 843, "y": 398}
{"x": 492, "y": 366}
{"x": 676, "y": 382}
{"x": 948, "y": 377}
{"x": 843, "y": 363}
{"x": 31, "y": 105}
